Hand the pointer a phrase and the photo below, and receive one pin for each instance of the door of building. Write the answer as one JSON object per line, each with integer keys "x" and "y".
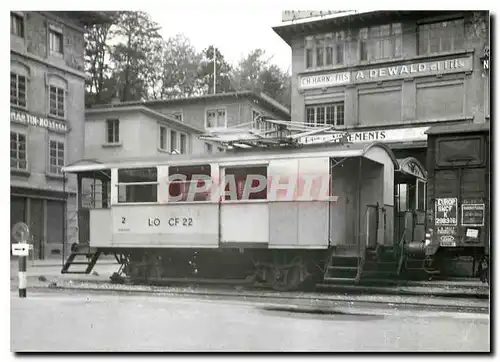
{"x": 37, "y": 227}
{"x": 17, "y": 213}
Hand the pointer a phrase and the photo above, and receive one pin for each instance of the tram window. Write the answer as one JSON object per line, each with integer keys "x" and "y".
{"x": 189, "y": 183}
{"x": 94, "y": 193}
{"x": 241, "y": 174}
{"x": 463, "y": 151}
{"x": 137, "y": 185}
{"x": 401, "y": 197}
{"x": 421, "y": 195}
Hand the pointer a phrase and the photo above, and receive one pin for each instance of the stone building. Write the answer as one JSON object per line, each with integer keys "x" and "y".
{"x": 47, "y": 110}
{"x": 132, "y": 129}
{"x": 388, "y": 75}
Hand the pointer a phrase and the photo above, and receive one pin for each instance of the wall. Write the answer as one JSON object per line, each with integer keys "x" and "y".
{"x": 238, "y": 110}
{"x": 139, "y": 136}
{"x": 414, "y": 99}
{"x": 30, "y": 57}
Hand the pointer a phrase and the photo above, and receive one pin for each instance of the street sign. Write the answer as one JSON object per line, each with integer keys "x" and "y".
{"x": 21, "y": 233}
{"x": 21, "y": 249}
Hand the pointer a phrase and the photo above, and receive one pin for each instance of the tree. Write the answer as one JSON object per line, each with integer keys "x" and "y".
{"x": 277, "y": 84}
{"x": 222, "y": 71}
{"x": 257, "y": 73}
{"x": 133, "y": 56}
{"x": 179, "y": 70}
{"x": 96, "y": 59}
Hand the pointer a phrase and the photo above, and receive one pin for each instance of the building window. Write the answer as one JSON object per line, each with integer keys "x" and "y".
{"x": 440, "y": 37}
{"x": 216, "y": 118}
{"x": 173, "y": 141}
{"x": 56, "y": 157}
{"x": 325, "y": 115}
{"x": 208, "y": 148}
{"x": 17, "y": 25}
{"x": 55, "y": 41}
{"x": 138, "y": 185}
{"x": 183, "y": 143}
{"x": 113, "y": 131}
{"x": 17, "y": 90}
{"x": 178, "y": 116}
{"x": 163, "y": 138}
{"x": 325, "y": 50}
{"x": 380, "y": 42}
{"x": 56, "y": 101}
{"x": 18, "y": 151}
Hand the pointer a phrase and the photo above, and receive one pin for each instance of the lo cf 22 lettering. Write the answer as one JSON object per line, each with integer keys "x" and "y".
{"x": 180, "y": 221}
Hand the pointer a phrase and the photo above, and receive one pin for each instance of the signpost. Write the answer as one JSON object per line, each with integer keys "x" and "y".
{"x": 21, "y": 233}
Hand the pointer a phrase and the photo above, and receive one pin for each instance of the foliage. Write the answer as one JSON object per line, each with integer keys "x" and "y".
{"x": 129, "y": 58}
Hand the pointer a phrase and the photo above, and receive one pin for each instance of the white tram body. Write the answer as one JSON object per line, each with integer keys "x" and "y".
{"x": 285, "y": 231}
{"x": 143, "y": 214}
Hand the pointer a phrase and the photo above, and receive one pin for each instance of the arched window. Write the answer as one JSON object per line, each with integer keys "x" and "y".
{"x": 19, "y": 78}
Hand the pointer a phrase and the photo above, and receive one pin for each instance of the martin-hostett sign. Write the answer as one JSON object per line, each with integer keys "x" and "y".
{"x": 37, "y": 121}
{"x": 387, "y": 135}
{"x": 405, "y": 70}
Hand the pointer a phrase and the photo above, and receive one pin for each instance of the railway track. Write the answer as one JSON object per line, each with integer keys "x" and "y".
{"x": 237, "y": 292}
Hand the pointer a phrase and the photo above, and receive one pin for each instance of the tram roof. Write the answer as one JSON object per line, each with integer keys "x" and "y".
{"x": 240, "y": 156}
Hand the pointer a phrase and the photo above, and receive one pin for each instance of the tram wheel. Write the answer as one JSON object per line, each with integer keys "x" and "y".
{"x": 285, "y": 279}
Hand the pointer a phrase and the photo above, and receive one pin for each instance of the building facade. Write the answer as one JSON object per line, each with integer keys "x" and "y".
{"x": 132, "y": 129}
{"x": 388, "y": 75}
{"x": 47, "y": 83}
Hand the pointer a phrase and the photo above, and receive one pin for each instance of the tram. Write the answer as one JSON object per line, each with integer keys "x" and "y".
{"x": 271, "y": 210}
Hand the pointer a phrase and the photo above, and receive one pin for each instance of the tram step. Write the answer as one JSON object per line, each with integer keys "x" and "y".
{"x": 89, "y": 263}
{"x": 335, "y": 279}
{"x": 335, "y": 267}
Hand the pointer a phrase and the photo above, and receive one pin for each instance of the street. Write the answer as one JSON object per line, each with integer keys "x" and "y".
{"x": 86, "y": 321}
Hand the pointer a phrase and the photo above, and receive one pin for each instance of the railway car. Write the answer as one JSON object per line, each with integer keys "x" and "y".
{"x": 458, "y": 197}
{"x": 285, "y": 215}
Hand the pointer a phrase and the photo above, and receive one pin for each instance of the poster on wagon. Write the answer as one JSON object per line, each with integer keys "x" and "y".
{"x": 446, "y": 211}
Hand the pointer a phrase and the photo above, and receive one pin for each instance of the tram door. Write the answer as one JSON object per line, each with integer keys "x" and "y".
{"x": 410, "y": 203}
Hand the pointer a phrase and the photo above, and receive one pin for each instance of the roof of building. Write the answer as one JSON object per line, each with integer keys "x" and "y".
{"x": 342, "y": 20}
{"x": 147, "y": 111}
{"x": 88, "y": 17}
{"x": 459, "y": 128}
{"x": 267, "y": 101}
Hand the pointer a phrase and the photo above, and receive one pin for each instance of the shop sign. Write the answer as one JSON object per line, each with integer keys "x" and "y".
{"x": 405, "y": 70}
{"x": 325, "y": 80}
{"x": 387, "y": 135}
{"x": 21, "y": 117}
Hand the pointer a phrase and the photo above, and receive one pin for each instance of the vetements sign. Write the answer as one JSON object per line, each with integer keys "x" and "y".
{"x": 446, "y": 211}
